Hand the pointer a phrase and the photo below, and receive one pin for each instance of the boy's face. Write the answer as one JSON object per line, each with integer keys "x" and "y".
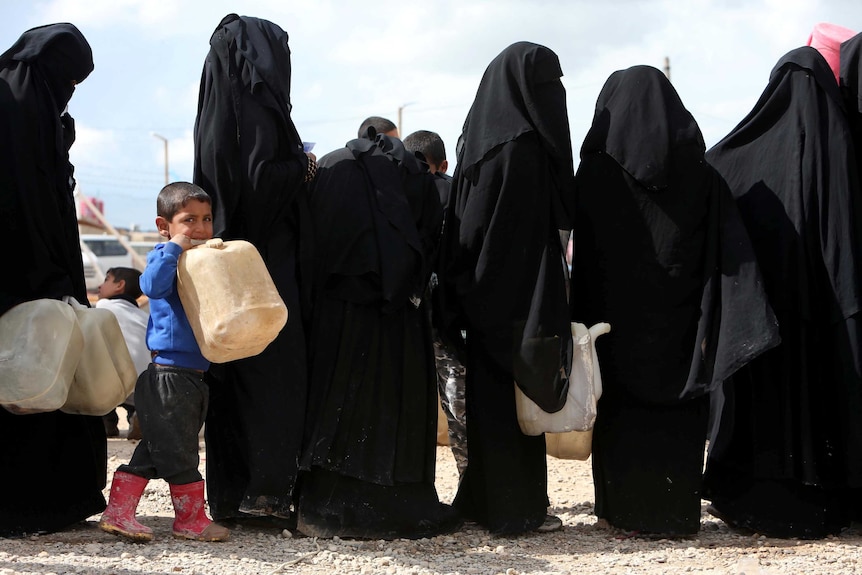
{"x": 111, "y": 287}
{"x": 194, "y": 220}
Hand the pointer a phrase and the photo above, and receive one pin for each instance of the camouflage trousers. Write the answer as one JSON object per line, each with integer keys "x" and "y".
{"x": 450, "y": 384}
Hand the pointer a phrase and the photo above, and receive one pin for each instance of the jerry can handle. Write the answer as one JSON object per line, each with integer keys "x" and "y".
{"x": 216, "y": 243}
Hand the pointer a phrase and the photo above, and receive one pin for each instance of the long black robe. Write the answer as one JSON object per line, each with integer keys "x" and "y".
{"x": 372, "y": 415}
{"x": 249, "y": 158}
{"x": 660, "y": 254}
{"x": 502, "y": 279}
{"x": 790, "y": 442}
{"x": 54, "y": 464}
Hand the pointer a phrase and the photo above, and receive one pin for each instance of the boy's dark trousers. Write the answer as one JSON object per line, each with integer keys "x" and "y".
{"x": 171, "y": 403}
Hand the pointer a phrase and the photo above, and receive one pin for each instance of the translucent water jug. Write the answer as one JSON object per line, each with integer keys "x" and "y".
{"x": 232, "y": 304}
{"x": 40, "y": 346}
{"x": 585, "y": 389}
{"x": 106, "y": 374}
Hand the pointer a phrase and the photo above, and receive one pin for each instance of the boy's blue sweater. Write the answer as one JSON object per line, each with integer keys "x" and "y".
{"x": 168, "y": 330}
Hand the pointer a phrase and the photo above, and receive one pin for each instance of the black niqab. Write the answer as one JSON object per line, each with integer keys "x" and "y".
{"x": 645, "y": 109}
{"x": 60, "y": 54}
{"x": 247, "y": 56}
{"x": 523, "y": 80}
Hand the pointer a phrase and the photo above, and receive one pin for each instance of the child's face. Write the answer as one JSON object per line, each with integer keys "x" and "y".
{"x": 194, "y": 220}
{"x": 110, "y": 287}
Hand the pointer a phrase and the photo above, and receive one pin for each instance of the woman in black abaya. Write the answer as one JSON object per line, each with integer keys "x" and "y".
{"x": 250, "y": 159}
{"x": 372, "y": 410}
{"x": 789, "y": 447}
{"x": 502, "y": 280}
{"x": 660, "y": 254}
{"x": 54, "y": 464}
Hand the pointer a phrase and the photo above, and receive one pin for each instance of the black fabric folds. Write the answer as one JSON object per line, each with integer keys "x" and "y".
{"x": 244, "y": 109}
{"x": 374, "y": 251}
{"x": 54, "y": 464}
{"x": 502, "y": 275}
{"x": 790, "y": 426}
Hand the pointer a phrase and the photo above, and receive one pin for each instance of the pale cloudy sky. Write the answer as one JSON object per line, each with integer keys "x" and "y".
{"x": 356, "y": 59}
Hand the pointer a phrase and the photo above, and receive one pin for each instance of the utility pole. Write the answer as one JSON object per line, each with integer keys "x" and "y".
{"x": 400, "y": 109}
{"x": 667, "y": 67}
{"x": 165, "y": 140}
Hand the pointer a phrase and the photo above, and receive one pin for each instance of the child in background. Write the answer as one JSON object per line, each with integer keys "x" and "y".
{"x": 171, "y": 395}
{"x": 119, "y": 294}
{"x": 450, "y": 371}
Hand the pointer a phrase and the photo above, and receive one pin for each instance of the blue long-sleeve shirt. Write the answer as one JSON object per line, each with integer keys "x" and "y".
{"x": 168, "y": 329}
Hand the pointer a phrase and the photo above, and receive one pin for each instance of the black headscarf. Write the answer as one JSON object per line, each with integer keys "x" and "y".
{"x": 248, "y": 62}
{"x": 646, "y": 108}
{"x": 377, "y": 217}
{"x": 660, "y": 250}
{"x": 59, "y": 53}
{"x": 501, "y": 267}
{"x": 37, "y": 76}
{"x": 523, "y": 81}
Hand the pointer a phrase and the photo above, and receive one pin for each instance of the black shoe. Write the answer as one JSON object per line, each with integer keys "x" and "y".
{"x": 550, "y": 524}
{"x": 134, "y": 428}
{"x": 111, "y": 421}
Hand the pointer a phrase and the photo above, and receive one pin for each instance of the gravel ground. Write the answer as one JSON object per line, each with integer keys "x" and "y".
{"x": 582, "y": 547}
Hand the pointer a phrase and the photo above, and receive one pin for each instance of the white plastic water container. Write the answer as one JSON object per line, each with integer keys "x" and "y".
{"x": 40, "y": 347}
{"x": 106, "y": 374}
{"x": 232, "y": 304}
{"x": 585, "y": 389}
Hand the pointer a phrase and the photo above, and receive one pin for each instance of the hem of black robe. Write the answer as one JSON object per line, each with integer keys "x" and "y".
{"x": 334, "y": 505}
{"x": 20, "y": 522}
{"x": 783, "y": 508}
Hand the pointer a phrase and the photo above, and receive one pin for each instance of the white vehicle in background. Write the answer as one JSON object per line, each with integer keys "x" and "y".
{"x": 100, "y": 253}
{"x": 143, "y": 248}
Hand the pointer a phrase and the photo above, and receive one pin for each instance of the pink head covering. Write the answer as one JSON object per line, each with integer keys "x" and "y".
{"x": 827, "y": 38}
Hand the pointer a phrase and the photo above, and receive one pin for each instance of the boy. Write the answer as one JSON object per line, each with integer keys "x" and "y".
{"x": 171, "y": 395}
{"x": 450, "y": 371}
{"x": 380, "y": 125}
{"x": 119, "y": 294}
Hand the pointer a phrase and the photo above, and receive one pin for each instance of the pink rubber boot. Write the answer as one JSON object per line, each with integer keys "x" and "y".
{"x": 119, "y": 517}
{"x": 191, "y": 521}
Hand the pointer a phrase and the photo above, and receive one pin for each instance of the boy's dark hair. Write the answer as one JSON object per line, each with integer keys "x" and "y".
{"x": 381, "y": 126}
{"x": 131, "y": 276}
{"x": 176, "y": 195}
{"x": 429, "y": 143}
